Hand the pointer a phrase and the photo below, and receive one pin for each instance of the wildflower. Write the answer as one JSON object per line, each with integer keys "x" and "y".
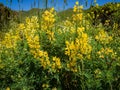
{"x": 56, "y": 64}
{"x": 118, "y": 5}
{"x": 52, "y": 10}
{"x": 106, "y": 52}
{"x": 97, "y": 5}
{"x": 81, "y": 7}
{"x": 27, "y": 20}
{"x": 10, "y": 40}
{"x": 77, "y": 16}
{"x": 45, "y": 85}
{"x": 7, "y": 88}
{"x": 75, "y": 9}
{"x": 97, "y": 73}
{"x": 103, "y": 37}
{"x": 48, "y": 19}
{"x": 78, "y": 49}
{"x": 21, "y": 26}
{"x": 50, "y": 35}
{"x": 54, "y": 88}
{"x": 77, "y": 3}
{"x": 67, "y": 23}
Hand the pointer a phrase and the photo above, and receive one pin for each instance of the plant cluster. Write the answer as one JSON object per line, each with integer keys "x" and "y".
{"x": 39, "y": 54}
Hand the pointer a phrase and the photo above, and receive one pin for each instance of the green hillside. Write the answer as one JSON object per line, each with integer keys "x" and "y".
{"x": 6, "y": 14}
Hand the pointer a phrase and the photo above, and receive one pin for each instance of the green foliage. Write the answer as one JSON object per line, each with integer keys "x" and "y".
{"x": 6, "y": 15}
{"x": 109, "y": 11}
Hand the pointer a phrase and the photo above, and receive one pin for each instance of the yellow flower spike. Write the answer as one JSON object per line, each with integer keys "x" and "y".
{"x": 54, "y": 88}
{"x": 54, "y": 58}
{"x": 75, "y": 8}
{"x": 77, "y": 3}
{"x": 67, "y": 43}
{"x": 52, "y": 9}
{"x": 106, "y": 11}
{"x": 75, "y": 70}
{"x": 81, "y": 7}
{"x": 43, "y": 85}
{"x": 110, "y": 38}
{"x": 97, "y": 5}
{"x": 84, "y": 35}
{"x": 27, "y": 20}
{"x": 118, "y": 5}
{"x": 101, "y": 56}
{"x": 21, "y": 26}
{"x": 48, "y": 19}
{"x": 34, "y": 19}
{"x": 7, "y": 88}
{"x": 68, "y": 65}
{"x": 103, "y": 37}
{"x": 80, "y": 56}
{"x": 48, "y": 62}
{"x": 97, "y": 71}
{"x": 99, "y": 52}
{"x": 46, "y": 13}
{"x": 47, "y": 85}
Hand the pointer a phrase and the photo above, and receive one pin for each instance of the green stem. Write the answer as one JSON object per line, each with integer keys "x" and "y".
{"x": 110, "y": 86}
{"x": 82, "y": 70}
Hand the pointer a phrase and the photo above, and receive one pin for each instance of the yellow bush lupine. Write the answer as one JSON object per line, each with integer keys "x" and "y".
{"x": 48, "y": 19}
{"x": 78, "y": 49}
{"x": 103, "y": 37}
{"x": 106, "y": 52}
{"x": 10, "y": 40}
{"x": 56, "y": 64}
{"x": 29, "y": 29}
{"x": 78, "y": 15}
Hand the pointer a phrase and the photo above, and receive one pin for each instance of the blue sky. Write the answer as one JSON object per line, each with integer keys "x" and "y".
{"x": 59, "y": 4}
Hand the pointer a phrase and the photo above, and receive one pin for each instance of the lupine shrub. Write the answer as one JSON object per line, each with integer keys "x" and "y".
{"x": 74, "y": 55}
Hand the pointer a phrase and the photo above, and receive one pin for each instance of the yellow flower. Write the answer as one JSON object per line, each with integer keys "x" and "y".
{"x": 27, "y": 20}
{"x": 106, "y": 11}
{"x": 103, "y": 37}
{"x": 80, "y": 56}
{"x": 81, "y": 7}
{"x": 101, "y": 56}
{"x": 57, "y": 62}
{"x": 45, "y": 85}
{"x": 7, "y": 88}
{"x": 54, "y": 88}
{"x": 21, "y": 26}
{"x": 118, "y": 5}
{"x": 80, "y": 29}
{"x": 96, "y": 37}
{"x": 77, "y": 3}
{"x": 52, "y": 9}
{"x": 48, "y": 19}
{"x": 75, "y": 9}
{"x": 97, "y": 71}
{"x": 97, "y": 5}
